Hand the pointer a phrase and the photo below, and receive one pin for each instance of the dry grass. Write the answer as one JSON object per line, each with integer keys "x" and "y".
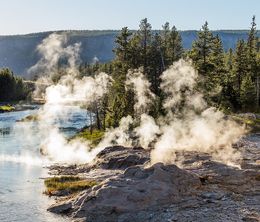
{"x": 70, "y": 184}
{"x": 29, "y": 118}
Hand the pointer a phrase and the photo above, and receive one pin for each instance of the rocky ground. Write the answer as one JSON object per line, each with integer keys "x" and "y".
{"x": 130, "y": 190}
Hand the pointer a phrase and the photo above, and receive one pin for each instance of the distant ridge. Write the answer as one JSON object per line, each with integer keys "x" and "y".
{"x": 18, "y": 52}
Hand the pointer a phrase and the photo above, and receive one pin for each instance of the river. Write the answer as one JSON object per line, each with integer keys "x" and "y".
{"x": 22, "y": 168}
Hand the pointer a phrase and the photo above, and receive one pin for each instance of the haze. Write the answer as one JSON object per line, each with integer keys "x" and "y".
{"x": 19, "y": 17}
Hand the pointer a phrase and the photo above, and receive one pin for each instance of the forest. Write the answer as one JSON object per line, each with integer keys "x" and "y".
{"x": 229, "y": 80}
{"x": 12, "y": 88}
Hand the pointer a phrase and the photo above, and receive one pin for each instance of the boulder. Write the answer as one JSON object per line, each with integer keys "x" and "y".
{"x": 137, "y": 189}
{"x": 60, "y": 208}
{"x": 120, "y": 157}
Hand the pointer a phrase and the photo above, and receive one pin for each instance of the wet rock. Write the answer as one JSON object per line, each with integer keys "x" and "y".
{"x": 111, "y": 158}
{"x": 60, "y": 208}
{"x": 212, "y": 195}
{"x": 119, "y": 157}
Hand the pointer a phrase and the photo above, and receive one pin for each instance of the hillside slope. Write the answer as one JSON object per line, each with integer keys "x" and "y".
{"x": 18, "y": 52}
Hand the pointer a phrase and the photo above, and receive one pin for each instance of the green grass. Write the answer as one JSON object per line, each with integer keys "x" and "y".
{"x": 95, "y": 137}
{"x": 71, "y": 184}
{"x": 252, "y": 124}
{"x": 6, "y": 108}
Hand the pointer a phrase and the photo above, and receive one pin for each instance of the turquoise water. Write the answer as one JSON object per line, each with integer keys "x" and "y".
{"x": 22, "y": 167}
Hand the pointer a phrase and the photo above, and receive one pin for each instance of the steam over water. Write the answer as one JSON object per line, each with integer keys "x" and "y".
{"x": 21, "y": 166}
{"x": 188, "y": 124}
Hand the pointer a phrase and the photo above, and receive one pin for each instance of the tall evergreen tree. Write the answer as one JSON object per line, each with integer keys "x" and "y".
{"x": 219, "y": 72}
{"x": 240, "y": 65}
{"x": 201, "y": 50}
{"x": 122, "y": 50}
{"x": 252, "y": 59}
{"x": 145, "y": 37}
{"x": 172, "y": 49}
{"x": 175, "y": 48}
{"x": 248, "y": 94}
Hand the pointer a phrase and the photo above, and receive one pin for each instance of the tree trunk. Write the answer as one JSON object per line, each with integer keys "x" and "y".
{"x": 91, "y": 122}
{"x": 257, "y": 92}
{"x": 98, "y": 120}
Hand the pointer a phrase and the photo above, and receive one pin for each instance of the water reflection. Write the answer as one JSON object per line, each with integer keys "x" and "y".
{"x": 21, "y": 166}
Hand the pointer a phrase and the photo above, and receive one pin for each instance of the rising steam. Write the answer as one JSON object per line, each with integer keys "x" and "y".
{"x": 141, "y": 86}
{"x": 68, "y": 90}
{"x": 189, "y": 124}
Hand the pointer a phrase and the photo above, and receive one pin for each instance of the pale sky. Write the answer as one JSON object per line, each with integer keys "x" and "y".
{"x": 27, "y": 16}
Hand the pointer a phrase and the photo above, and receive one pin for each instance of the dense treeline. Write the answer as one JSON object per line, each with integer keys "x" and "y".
{"x": 12, "y": 88}
{"x": 229, "y": 80}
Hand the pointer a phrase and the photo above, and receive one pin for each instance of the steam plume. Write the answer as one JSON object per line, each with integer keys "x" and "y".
{"x": 189, "y": 124}
{"x": 68, "y": 90}
{"x": 141, "y": 87}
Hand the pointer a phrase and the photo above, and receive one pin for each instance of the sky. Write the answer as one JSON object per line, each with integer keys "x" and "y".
{"x": 28, "y": 16}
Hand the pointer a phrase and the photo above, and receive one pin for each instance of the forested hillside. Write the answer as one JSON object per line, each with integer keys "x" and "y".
{"x": 19, "y": 53}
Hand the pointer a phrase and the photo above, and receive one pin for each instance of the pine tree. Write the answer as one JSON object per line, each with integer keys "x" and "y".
{"x": 145, "y": 37}
{"x": 122, "y": 50}
{"x": 172, "y": 49}
{"x": 174, "y": 46}
{"x": 252, "y": 59}
{"x": 156, "y": 64}
{"x": 218, "y": 60}
{"x": 201, "y": 50}
{"x": 200, "y": 54}
{"x": 219, "y": 72}
{"x": 229, "y": 96}
{"x": 240, "y": 65}
{"x": 248, "y": 94}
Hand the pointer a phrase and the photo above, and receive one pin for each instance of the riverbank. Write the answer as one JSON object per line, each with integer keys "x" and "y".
{"x": 198, "y": 189}
{"x": 6, "y": 108}
{"x": 21, "y": 171}
{"x": 13, "y": 107}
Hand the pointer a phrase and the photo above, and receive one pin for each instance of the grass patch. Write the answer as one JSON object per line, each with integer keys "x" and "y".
{"x": 70, "y": 184}
{"x": 253, "y": 125}
{"x": 6, "y": 108}
{"x": 95, "y": 137}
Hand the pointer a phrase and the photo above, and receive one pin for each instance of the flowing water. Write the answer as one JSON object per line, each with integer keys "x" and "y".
{"x": 22, "y": 167}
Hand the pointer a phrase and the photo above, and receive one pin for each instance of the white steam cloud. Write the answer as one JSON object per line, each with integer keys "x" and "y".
{"x": 67, "y": 90}
{"x": 189, "y": 124}
{"x": 141, "y": 86}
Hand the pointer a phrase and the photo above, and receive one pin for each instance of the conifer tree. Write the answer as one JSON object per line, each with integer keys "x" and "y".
{"x": 145, "y": 38}
{"x": 252, "y": 59}
{"x": 122, "y": 50}
{"x": 248, "y": 94}
{"x": 174, "y": 46}
{"x": 240, "y": 65}
{"x": 201, "y": 50}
